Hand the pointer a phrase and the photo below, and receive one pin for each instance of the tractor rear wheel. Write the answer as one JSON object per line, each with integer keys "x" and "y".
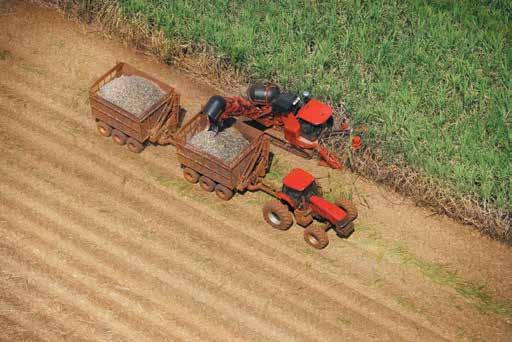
{"x": 349, "y": 207}
{"x": 134, "y": 145}
{"x": 206, "y": 184}
{"x": 277, "y": 215}
{"x": 119, "y": 137}
{"x": 223, "y": 193}
{"x": 190, "y": 175}
{"x": 104, "y": 129}
{"x": 316, "y": 236}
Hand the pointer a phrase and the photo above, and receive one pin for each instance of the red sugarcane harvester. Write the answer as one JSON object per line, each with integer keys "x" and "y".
{"x": 295, "y": 123}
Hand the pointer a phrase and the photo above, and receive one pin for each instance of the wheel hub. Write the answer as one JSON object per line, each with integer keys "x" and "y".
{"x": 274, "y": 219}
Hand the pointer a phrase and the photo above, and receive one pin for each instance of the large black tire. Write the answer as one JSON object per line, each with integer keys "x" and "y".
{"x": 134, "y": 145}
{"x": 190, "y": 175}
{"x": 104, "y": 129}
{"x": 223, "y": 193}
{"x": 277, "y": 215}
{"x": 349, "y": 207}
{"x": 206, "y": 184}
{"x": 316, "y": 236}
{"x": 119, "y": 137}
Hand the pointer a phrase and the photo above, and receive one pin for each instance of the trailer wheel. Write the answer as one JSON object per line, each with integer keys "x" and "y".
{"x": 190, "y": 175}
{"x": 223, "y": 193}
{"x": 206, "y": 184}
{"x": 349, "y": 207}
{"x": 104, "y": 129}
{"x": 277, "y": 215}
{"x": 134, "y": 145}
{"x": 119, "y": 137}
{"x": 316, "y": 236}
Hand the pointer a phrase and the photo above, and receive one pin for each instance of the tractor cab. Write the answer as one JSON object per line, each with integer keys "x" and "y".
{"x": 298, "y": 187}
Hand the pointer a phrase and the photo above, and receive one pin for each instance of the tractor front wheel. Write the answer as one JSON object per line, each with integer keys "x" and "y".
{"x": 316, "y": 236}
{"x": 349, "y": 207}
{"x": 277, "y": 215}
{"x": 346, "y": 231}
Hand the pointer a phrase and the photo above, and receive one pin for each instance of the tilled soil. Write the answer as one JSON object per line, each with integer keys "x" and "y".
{"x": 98, "y": 243}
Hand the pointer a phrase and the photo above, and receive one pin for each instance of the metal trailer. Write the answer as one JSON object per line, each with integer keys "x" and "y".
{"x": 225, "y": 178}
{"x": 157, "y": 125}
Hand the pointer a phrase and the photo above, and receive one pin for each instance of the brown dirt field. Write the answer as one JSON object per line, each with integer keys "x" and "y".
{"x": 97, "y": 243}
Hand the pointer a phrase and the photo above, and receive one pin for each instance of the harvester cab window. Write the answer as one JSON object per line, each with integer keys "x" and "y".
{"x": 313, "y": 132}
{"x": 301, "y": 196}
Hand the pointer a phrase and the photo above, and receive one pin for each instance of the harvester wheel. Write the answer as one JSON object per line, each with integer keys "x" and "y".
{"x": 190, "y": 175}
{"x": 316, "y": 236}
{"x": 119, "y": 137}
{"x": 349, "y": 207}
{"x": 277, "y": 215}
{"x": 206, "y": 184}
{"x": 134, "y": 145}
{"x": 104, "y": 129}
{"x": 223, "y": 193}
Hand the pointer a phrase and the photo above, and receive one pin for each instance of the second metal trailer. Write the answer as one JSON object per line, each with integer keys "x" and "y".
{"x": 213, "y": 174}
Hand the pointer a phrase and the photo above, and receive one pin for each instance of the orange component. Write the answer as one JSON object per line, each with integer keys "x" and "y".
{"x": 329, "y": 158}
{"x": 315, "y": 112}
{"x": 344, "y": 126}
{"x": 239, "y": 106}
{"x": 291, "y": 128}
{"x": 356, "y": 143}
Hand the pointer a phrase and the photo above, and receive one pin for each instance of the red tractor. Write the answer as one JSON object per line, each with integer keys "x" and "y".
{"x": 302, "y": 196}
{"x": 296, "y": 123}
